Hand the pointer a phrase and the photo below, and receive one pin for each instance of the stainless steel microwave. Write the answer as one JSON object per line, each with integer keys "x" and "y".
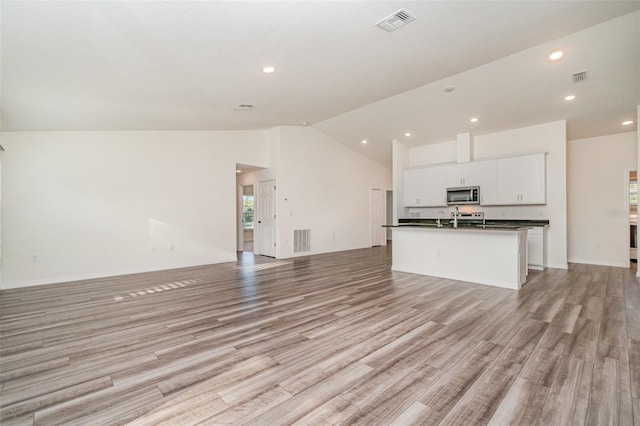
{"x": 463, "y": 195}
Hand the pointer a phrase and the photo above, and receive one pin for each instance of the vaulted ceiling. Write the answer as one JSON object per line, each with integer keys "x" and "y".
{"x": 169, "y": 65}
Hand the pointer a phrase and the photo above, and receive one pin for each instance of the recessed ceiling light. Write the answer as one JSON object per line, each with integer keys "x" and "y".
{"x": 305, "y": 123}
{"x": 268, "y": 70}
{"x": 238, "y": 171}
{"x": 449, "y": 89}
{"x": 407, "y": 134}
{"x": 474, "y": 119}
{"x": 569, "y": 97}
{"x": 364, "y": 141}
{"x": 627, "y": 122}
{"x": 554, "y": 56}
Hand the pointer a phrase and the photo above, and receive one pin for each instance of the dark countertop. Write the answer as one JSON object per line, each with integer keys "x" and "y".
{"x": 461, "y": 226}
{"x": 504, "y": 222}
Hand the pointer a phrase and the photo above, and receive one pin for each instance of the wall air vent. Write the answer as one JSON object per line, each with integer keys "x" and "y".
{"x": 396, "y": 20}
{"x": 579, "y": 76}
{"x": 301, "y": 240}
{"x": 244, "y": 106}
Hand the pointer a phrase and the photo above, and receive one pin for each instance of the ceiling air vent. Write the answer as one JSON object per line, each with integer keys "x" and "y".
{"x": 396, "y": 20}
{"x": 244, "y": 106}
{"x": 579, "y": 76}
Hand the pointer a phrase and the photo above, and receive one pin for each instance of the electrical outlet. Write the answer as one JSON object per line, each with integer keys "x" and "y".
{"x": 172, "y": 247}
{"x": 35, "y": 258}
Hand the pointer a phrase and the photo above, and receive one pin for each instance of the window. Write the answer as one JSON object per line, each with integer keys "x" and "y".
{"x": 633, "y": 192}
{"x": 247, "y": 212}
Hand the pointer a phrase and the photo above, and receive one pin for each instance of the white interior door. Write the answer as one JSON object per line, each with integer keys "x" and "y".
{"x": 389, "y": 217}
{"x": 239, "y": 227}
{"x": 265, "y": 240}
{"x": 376, "y": 217}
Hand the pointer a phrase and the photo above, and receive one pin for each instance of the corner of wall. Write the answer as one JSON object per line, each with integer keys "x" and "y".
{"x": 638, "y": 151}
{"x": 400, "y": 162}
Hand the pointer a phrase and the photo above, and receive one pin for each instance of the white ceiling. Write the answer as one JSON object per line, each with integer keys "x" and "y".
{"x": 163, "y": 65}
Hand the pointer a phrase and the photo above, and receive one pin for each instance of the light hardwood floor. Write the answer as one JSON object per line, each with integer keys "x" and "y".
{"x": 327, "y": 339}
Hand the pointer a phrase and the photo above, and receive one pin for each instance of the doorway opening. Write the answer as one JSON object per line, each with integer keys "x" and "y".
{"x": 248, "y": 211}
{"x": 632, "y": 199}
{"x": 376, "y": 218}
{"x": 246, "y": 208}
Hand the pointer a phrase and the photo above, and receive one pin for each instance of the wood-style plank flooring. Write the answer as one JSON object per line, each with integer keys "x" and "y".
{"x": 322, "y": 340}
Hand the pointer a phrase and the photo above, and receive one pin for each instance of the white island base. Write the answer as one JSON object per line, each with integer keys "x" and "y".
{"x": 496, "y": 257}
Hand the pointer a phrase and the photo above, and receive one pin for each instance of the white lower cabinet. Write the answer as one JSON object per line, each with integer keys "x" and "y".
{"x": 535, "y": 247}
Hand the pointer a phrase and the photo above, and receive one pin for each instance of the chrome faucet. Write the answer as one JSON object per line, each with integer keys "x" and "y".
{"x": 455, "y": 217}
{"x": 440, "y": 214}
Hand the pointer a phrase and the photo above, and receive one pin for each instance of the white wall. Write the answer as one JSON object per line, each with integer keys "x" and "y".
{"x": 598, "y": 217}
{"x": 322, "y": 186}
{"x": 89, "y": 204}
{"x": 547, "y": 137}
{"x": 328, "y": 188}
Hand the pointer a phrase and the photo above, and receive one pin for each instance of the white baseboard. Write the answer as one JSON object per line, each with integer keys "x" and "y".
{"x": 599, "y": 263}
{"x": 106, "y": 274}
{"x": 558, "y": 266}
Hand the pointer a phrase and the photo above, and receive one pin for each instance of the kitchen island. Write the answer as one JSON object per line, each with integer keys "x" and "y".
{"x": 491, "y": 255}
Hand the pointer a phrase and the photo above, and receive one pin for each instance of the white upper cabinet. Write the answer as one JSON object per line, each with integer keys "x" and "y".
{"x": 488, "y": 181}
{"x": 438, "y": 196}
{"x": 416, "y": 187}
{"x": 533, "y": 183}
{"x": 463, "y": 174}
{"x": 508, "y": 181}
{"x": 521, "y": 180}
{"x": 504, "y": 181}
{"x": 425, "y": 187}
